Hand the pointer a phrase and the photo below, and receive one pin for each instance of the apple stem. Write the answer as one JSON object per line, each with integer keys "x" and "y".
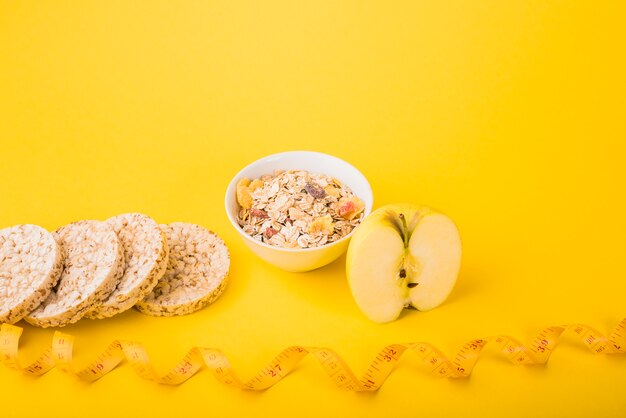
{"x": 405, "y": 231}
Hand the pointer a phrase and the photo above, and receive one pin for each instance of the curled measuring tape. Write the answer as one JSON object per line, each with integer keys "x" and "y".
{"x": 59, "y": 355}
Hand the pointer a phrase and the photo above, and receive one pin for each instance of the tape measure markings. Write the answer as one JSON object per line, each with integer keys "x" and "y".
{"x": 59, "y": 355}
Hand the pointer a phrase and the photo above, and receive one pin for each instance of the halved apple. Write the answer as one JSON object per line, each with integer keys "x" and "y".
{"x": 402, "y": 256}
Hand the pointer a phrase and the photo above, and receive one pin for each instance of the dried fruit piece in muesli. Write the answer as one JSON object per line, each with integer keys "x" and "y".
{"x": 245, "y": 187}
{"x": 259, "y": 213}
{"x": 315, "y": 191}
{"x": 332, "y": 191}
{"x": 243, "y": 193}
{"x": 255, "y": 185}
{"x": 350, "y": 207}
{"x": 322, "y": 225}
{"x": 270, "y": 232}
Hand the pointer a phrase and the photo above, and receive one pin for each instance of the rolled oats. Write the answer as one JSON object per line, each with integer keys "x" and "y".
{"x": 297, "y": 209}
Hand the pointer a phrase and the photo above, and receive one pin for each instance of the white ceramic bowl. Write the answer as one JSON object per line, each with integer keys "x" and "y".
{"x": 306, "y": 259}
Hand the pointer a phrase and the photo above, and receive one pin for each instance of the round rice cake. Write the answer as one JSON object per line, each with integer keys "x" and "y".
{"x": 30, "y": 265}
{"x": 197, "y": 272}
{"x": 92, "y": 266}
{"x": 145, "y": 253}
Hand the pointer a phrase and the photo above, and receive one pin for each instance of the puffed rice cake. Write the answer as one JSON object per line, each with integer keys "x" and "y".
{"x": 146, "y": 255}
{"x": 92, "y": 266}
{"x": 31, "y": 262}
{"x": 196, "y": 275}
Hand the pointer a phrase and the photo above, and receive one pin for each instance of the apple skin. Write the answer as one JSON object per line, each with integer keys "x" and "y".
{"x": 394, "y": 263}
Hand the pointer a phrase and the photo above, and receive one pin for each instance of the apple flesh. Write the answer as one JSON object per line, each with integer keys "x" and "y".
{"x": 402, "y": 256}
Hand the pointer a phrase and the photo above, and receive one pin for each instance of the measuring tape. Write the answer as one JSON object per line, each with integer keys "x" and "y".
{"x": 59, "y": 355}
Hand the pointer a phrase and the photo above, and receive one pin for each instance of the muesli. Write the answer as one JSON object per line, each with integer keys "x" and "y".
{"x": 297, "y": 209}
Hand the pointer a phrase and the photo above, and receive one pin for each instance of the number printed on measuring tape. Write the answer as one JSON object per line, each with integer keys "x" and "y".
{"x": 59, "y": 355}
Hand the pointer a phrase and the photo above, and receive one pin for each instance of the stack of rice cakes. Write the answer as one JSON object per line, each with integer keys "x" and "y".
{"x": 93, "y": 269}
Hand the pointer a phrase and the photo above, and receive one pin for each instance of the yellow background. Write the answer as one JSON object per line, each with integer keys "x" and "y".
{"x": 509, "y": 116}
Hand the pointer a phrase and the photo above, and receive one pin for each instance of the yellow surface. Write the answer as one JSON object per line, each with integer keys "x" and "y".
{"x": 508, "y": 116}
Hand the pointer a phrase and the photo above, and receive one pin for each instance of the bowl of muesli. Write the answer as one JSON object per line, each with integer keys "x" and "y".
{"x": 297, "y": 209}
